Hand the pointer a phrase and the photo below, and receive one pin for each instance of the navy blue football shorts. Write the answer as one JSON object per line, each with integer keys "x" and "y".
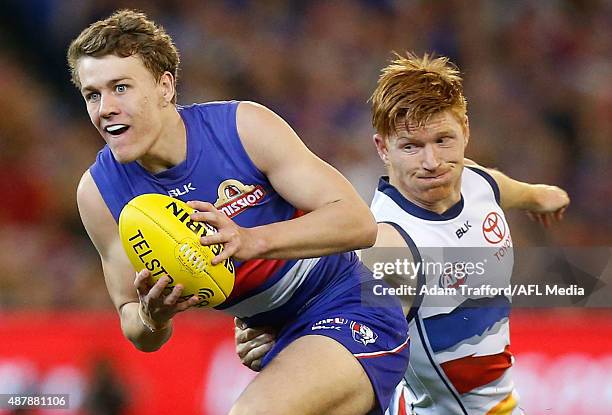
{"x": 377, "y": 335}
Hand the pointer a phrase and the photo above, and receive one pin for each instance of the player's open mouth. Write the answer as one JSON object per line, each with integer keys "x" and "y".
{"x": 116, "y": 129}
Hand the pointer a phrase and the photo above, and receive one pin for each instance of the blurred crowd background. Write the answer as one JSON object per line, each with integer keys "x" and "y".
{"x": 537, "y": 77}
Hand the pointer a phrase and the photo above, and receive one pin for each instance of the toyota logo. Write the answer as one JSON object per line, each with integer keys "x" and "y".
{"x": 494, "y": 228}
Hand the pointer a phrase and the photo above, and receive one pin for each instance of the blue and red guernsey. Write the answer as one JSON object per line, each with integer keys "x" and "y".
{"x": 218, "y": 170}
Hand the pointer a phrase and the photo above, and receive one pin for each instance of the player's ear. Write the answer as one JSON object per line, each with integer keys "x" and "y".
{"x": 167, "y": 85}
{"x": 381, "y": 147}
{"x": 466, "y": 130}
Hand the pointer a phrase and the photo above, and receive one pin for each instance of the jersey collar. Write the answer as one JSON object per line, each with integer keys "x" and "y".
{"x": 387, "y": 188}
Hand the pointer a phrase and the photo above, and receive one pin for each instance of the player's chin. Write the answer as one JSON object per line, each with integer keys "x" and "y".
{"x": 124, "y": 155}
{"x": 435, "y": 194}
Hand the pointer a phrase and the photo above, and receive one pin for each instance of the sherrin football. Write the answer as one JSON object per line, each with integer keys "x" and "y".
{"x": 157, "y": 234}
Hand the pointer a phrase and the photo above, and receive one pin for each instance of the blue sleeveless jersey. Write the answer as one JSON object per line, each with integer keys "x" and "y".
{"x": 218, "y": 170}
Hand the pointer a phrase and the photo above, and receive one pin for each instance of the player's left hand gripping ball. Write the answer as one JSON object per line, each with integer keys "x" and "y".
{"x": 158, "y": 234}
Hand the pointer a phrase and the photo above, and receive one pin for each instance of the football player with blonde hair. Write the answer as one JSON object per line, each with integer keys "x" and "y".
{"x": 287, "y": 236}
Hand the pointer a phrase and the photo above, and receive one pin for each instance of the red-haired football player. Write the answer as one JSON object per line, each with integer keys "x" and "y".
{"x": 445, "y": 210}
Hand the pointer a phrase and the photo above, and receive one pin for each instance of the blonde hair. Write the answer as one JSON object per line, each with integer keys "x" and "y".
{"x": 412, "y": 89}
{"x": 126, "y": 33}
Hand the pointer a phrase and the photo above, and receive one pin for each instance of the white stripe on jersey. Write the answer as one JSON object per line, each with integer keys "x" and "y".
{"x": 382, "y": 352}
{"x": 278, "y": 294}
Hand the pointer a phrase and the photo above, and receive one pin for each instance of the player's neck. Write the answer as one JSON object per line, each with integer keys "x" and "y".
{"x": 170, "y": 147}
{"x": 440, "y": 206}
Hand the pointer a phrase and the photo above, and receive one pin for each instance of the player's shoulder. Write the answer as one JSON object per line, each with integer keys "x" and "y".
{"x": 245, "y": 112}
{"x": 93, "y": 211}
{"x": 208, "y": 107}
{"x": 389, "y": 236}
{"x": 387, "y": 202}
{"x": 89, "y": 199}
{"x": 481, "y": 172}
{"x": 267, "y": 138}
{"x": 251, "y": 111}
{"x": 215, "y": 113}
{"x": 254, "y": 121}
{"x": 86, "y": 187}
{"x": 477, "y": 178}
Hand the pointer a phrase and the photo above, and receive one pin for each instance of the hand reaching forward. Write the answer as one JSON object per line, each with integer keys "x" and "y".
{"x": 157, "y": 305}
{"x": 550, "y": 204}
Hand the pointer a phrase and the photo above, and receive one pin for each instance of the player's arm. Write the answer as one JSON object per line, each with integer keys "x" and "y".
{"x": 130, "y": 296}
{"x": 389, "y": 247}
{"x": 253, "y": 343}
{"x": 336, "y": 218}
{"x": 542, "y": 202}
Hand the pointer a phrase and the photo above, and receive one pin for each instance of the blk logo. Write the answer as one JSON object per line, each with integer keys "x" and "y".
{"x": 181, "y": 191}
{"x": 463, "y": 230}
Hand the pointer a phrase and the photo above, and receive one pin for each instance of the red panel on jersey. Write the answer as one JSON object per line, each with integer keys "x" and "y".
{"x": 472, "y": 372}
{"x": 255, "y": 272}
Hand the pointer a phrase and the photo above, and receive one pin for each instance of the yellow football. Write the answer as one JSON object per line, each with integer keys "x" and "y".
{"x": 158, "y": 234}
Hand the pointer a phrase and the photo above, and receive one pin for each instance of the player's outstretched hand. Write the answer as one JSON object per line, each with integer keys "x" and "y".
{"x": 551, "y": 203}
{"x": 252, "y": 344}
{"x": 237, "y": 241}
{"x": 156, "y": 307}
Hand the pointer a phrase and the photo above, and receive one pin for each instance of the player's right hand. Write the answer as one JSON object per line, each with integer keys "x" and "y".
{"x": 156, "y": 308}
{"x": 252, "y": 344}
{"x": 551, "y": 204}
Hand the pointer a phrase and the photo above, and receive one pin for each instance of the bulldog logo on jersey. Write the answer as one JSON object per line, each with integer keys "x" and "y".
{"x": 363, "y": 334}
{"x": 234, "y": 196}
